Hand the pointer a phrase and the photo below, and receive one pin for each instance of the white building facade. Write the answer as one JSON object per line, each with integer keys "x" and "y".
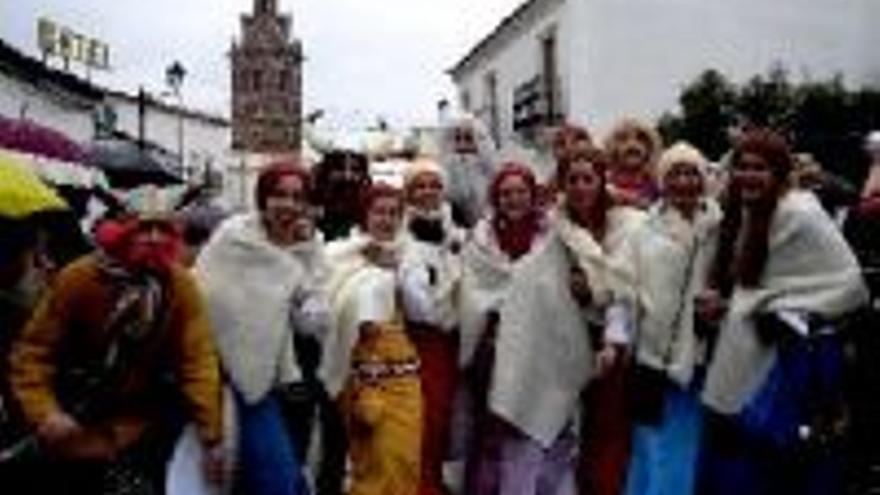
{"x": 592, "y": 62}
{"x": 64, "y": 102}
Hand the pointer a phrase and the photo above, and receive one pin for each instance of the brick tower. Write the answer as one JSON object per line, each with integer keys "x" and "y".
{"x": 266, "y": 83}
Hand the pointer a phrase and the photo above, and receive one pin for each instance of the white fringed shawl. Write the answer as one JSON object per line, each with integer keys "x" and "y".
{"x": 486, "y": 276}
{"x": 810, "y": 268}
{"x": 544, "y": 357}
{"x": 443, "y": 260}
{"x": 663, "y": 251}
{"x": 249, "y": 284}
{"x": 350, "y": 305}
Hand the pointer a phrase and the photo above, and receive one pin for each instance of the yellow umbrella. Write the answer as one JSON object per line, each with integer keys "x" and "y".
{"x": 22, "y": 193}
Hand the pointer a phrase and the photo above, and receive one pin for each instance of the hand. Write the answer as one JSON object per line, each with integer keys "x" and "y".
{"x": 381, "y": 257}
{"x": 607, "y": 358}
{"x": 58, "y": 427}
{"x": 580, "y": 287}
{"x": 218, "y": 465}
{"x": 710, "y": 306}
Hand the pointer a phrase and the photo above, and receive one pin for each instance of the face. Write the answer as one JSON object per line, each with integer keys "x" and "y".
{"x": 753, "y": 177}
{"x": 633, "y": 149}
{"x": 348, "y": 175}
{"x": 581, "y": 187}
{"x": 152, "y": 245}
{"x": 426, "y": 192}
{"x": 514, "y": 197}
{"x": 383, "y": 218}
{"x": 569, "y": 142}
{"x": 285, "y": 206}
{"x": 464, "y": 141}
{"x": 683, "y": 185}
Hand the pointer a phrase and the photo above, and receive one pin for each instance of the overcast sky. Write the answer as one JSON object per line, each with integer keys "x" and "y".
{"x": 365, "y": 58}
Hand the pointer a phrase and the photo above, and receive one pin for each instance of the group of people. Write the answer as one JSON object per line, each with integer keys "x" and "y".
{"x": 637, "y": 324}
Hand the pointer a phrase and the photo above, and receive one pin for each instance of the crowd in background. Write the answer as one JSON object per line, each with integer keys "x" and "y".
{"x": 622, "y": 317}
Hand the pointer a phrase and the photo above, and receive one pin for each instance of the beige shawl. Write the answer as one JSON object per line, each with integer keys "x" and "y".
{"x": 543, "y": 354}
{"x": 672, "y": 257}
{"x": 249, "y": 284}
{"x": 358, "y": 291}
{"x": 486, "y": 275}
{"x": 810, "y": 268}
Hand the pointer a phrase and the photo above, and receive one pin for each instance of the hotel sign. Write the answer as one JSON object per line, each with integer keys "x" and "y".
{"x": 60, "y": 41}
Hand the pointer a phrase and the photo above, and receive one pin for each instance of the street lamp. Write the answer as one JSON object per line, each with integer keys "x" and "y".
{"x": 174, "y": 76}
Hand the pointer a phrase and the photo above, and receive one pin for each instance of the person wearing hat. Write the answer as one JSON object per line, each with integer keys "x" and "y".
{"x": 340, "y": 177}
{"x": 262, "y": 274}
{"x": 513, "y": 227}
{"x": 370, "y": 365}
{"x": 557, "y": 337}
{"x": 671, "y": 256}
{"x": 90, "y": 367}
{"x": 431, "y": 263}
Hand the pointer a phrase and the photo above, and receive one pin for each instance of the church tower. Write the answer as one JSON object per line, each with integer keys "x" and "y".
{"x": 266, "y": 83}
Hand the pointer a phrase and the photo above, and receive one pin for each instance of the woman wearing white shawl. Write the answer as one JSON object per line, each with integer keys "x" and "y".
{"x": 774, "y": 384}
{"x": 258, "y": 273}
{"x": 514, "y": 227}
{"x": 672, "y": 255}
{"x": 431, "y": 261}
{"x": 544, "y": 353}
{"x": 370, "y": 366}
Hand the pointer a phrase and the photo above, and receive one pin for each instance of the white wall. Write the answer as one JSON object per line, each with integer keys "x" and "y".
{"x": 639, "y": 53}
{"x": 517, "y": 63}
{"x": 55, "y": 111}
{"x": 202, "y": 140}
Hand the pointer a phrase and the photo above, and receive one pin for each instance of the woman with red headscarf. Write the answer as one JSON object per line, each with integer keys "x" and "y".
{"x": 370, "y": 366}
{"x": 262, "y": 276}
{"x": 557, "y": 330}
{"x": 514, "y": 226}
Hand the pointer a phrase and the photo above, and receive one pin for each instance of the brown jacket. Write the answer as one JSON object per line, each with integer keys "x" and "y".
{"x": 68, "y": 323}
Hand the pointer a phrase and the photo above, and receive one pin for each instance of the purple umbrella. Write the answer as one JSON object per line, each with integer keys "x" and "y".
{"x": 29, "y": 137}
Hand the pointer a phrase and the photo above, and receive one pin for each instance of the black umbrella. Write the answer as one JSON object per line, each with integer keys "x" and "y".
{"x": 127, "y": 164}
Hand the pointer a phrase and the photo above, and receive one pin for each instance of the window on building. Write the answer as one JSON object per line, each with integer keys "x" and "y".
{"x": 491, "y": 86}
{"x": 466, "y": 100}
{"x": 257, "y": 77}
{"x": 550, "y": 77}
{"x": 283, "y": 80}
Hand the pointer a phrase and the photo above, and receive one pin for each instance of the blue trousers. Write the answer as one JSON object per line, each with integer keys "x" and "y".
{"x": 268, "y": 463}
{"x": 664, "y": 456}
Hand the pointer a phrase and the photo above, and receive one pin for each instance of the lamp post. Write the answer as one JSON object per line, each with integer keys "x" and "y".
{"x": 174, "y": 76}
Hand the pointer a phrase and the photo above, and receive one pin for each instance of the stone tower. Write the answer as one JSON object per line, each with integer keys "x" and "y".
{"x": 266, "y": 83}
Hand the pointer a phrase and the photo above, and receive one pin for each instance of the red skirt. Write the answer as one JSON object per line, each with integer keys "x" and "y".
{"x": 438, "y": 352}
{"x": 605, "y": 448}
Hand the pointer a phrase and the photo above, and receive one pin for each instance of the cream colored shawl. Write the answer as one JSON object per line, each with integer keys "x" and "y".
{"x": 358, "y": 291}
{"x": 672, "y": 257}
{"x": 544, "y": 357}
{"x": 249, "y": 284}
{"x": 486, "y": 275}
{"x": 810, "y": 268}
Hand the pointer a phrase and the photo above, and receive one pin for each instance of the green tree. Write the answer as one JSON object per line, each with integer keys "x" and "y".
{"x": 824, "y": 117}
